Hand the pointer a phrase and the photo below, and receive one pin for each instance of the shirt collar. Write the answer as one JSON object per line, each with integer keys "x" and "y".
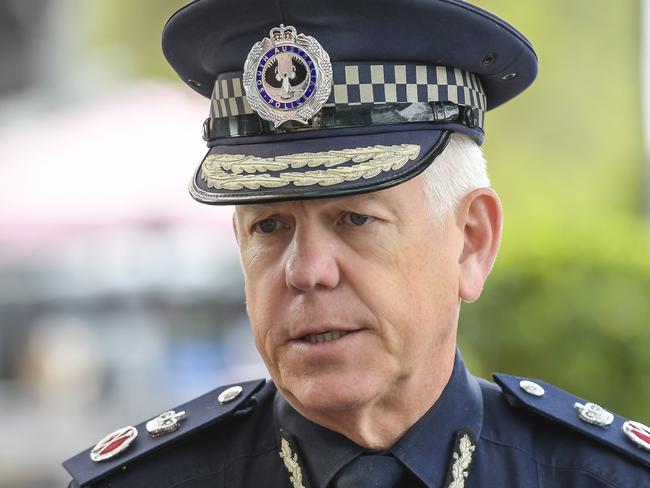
{"x": 322, "y": 451}
{"x": 425, "y": 449}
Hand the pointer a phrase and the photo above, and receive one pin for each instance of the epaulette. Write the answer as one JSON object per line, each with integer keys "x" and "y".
{"x": 625, "y": 436}
{"x": 123, "y": 447}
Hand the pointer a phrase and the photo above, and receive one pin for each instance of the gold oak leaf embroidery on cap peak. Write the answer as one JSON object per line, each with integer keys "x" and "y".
{"x": 236, "y": 171}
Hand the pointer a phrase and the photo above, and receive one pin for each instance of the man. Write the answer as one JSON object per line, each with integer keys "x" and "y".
{"x": 349, "y": 144}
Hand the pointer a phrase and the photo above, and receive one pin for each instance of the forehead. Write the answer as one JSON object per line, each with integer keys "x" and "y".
{"x": 404, "y": 197}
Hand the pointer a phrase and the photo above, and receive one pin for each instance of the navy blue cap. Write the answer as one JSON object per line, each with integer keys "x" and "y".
{"x": 319, "y": 99}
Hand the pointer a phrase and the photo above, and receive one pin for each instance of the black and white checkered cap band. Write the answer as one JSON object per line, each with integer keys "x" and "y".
{"x": 371, "y": 83}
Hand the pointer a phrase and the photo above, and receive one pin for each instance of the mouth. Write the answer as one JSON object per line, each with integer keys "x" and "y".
{"x": 330, "y": 335}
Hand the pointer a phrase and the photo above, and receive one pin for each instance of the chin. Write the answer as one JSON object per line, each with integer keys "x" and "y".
{"x": 330, "y": 392}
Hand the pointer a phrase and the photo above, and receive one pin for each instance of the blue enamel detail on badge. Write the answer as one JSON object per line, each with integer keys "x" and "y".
{"x": 281, "y": 75}
{"x": 287, "y": 76}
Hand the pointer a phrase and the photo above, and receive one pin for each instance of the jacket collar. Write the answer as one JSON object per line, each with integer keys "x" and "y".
{"x": 425, "y": 449}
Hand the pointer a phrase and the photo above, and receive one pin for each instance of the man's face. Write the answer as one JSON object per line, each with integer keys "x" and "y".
{"x": 350, "y": 299}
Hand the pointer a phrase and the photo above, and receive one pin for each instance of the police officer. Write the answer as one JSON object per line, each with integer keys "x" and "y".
{"x": 347, "y": 136}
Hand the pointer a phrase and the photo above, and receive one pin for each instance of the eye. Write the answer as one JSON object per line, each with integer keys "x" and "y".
{"x": 266, "y": 226}
{"x": 356, "y": 219}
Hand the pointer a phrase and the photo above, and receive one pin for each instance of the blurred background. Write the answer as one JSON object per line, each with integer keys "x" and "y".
{"x": 120, "y": 296}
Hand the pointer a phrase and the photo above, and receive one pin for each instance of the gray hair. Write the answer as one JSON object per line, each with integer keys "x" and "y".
{"x": 460, "y": 169}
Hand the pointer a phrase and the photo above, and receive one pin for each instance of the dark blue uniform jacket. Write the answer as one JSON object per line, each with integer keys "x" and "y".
{"x": 521, "y": 441}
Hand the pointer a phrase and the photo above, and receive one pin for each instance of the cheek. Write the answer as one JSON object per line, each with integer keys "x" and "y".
{"x": 418, "y": 269}
{"x": 412, "y": 287}
{"x": 262, "y": 291}
{"x": 261, "y": 312}
{"x": 261, "y": 272}
{"x": 433, "y": 280}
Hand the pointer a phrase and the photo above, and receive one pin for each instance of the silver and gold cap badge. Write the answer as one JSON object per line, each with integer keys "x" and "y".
{"x": 287, "y": 76}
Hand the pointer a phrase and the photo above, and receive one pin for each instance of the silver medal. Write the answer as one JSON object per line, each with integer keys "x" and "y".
{"x": 165, "y": 423}
{"x": 287, "y": 76}
{"x": 594, "y": 414}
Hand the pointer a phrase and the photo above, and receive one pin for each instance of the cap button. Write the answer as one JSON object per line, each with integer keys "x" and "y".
{"x": 488, "y": 59}
{"x": 229, "y": 394}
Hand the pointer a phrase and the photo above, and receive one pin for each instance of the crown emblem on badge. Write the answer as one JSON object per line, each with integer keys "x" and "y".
{"x": 288, "y": 33}
{"x": 287, "y": 76}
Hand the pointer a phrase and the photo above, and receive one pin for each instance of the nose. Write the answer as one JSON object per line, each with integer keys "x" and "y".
{"x": 311, "y": 262}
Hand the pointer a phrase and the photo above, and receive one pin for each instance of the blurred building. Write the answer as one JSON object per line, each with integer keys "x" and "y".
{"x": 119, "y": 296}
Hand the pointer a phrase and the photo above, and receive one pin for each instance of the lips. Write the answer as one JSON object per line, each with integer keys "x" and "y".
{"x": 325, "y": 336}
{"x": 324, "y": 332}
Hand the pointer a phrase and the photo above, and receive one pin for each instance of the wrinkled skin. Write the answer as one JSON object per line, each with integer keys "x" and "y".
{"x": 380, "y": 268}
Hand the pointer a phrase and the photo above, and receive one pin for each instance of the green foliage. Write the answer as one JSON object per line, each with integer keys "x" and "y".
{"x": 569, "y": 298}
{"x": 573, "y": 140}
{"x": 572, "y": 309}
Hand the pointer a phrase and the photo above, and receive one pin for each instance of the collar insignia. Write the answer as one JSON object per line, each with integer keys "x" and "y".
{"x": 461, "y": 460}
{"x": 290, "y": 460}
{"x": 287, "y": 76}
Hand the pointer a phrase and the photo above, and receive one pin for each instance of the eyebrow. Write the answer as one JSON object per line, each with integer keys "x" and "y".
{"x": 272, "y": 206}
{"x": 360, "y": 196}
{"x": 256, "y": 207}
{"x": 366, "y": 196}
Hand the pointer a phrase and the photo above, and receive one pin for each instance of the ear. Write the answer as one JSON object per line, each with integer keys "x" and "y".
{"x": 480, "y": 218}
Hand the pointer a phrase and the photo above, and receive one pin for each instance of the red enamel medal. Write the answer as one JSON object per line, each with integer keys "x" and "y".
{"x": 637, "y": 433}
{"x": 113, "y": 444}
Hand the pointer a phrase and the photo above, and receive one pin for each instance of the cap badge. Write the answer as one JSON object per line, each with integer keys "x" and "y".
{"x": 637, "y": 433}
{"x": 165, "y": 423}
{"x": 113, "y": 444}
{"x": 287, "y": 76}
{"x": 594, "y": 414}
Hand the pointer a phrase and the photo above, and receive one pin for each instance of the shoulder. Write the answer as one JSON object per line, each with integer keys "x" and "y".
{"x": 564, "y": 439}
{"x": 217, "y": 431}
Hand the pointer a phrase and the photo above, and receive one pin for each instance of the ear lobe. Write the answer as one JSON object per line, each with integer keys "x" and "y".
{"x": 480, "y": 218}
